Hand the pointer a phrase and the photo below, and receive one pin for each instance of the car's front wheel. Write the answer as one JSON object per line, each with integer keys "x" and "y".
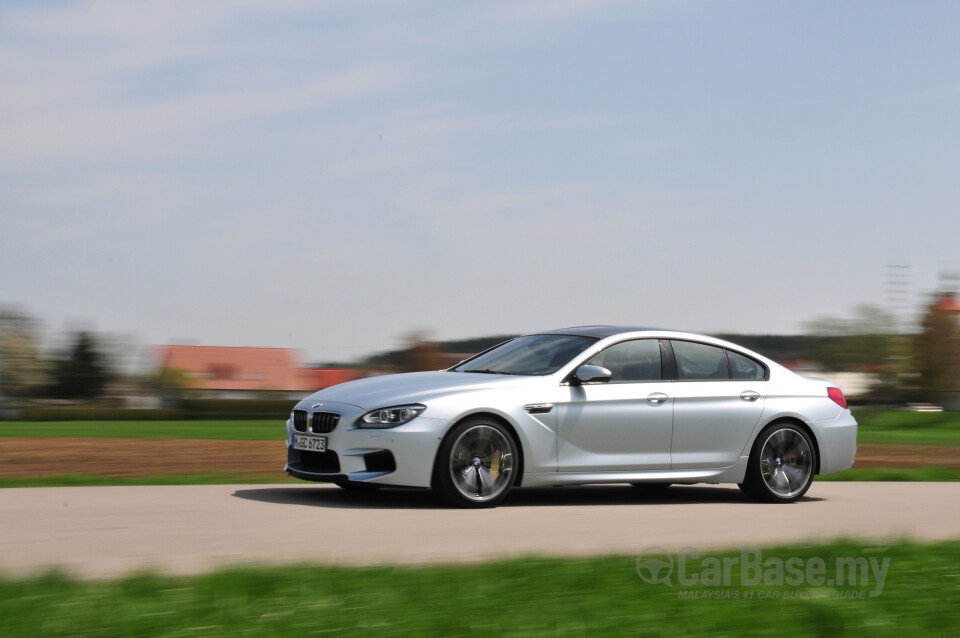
{"x": 477, "y": 464}
{"x": 781, "y": 465}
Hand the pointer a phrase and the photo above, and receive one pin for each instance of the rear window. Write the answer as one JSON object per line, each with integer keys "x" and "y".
{"x": 742, "y": 367}
{"x": 700, "y": 361}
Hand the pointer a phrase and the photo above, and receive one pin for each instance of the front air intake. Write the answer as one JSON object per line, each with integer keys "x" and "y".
{"x": 320, "y": 462}
{"x": 380, "y": 461}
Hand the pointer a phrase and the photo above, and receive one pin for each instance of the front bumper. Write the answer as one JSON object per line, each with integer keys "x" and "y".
{"x": 401, "y": 456}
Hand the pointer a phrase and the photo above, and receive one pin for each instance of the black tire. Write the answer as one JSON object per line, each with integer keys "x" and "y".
{"x": 653, "y": 487}
{"x": 782, "y": 464}
{"x": 477, "y": 452}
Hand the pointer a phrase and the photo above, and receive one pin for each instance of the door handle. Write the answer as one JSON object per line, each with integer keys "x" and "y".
{"x": 657, "y": 398}
{"x": 749, "y": 395}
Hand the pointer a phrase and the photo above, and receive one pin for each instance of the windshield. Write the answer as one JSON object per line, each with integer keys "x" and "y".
{"x": 530, "y": 355}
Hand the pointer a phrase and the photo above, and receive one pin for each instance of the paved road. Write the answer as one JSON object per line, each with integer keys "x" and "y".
{"x": 105, "y": 531}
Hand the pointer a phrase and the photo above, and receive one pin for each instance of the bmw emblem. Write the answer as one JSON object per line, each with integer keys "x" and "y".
{"x": 316, "y": 405}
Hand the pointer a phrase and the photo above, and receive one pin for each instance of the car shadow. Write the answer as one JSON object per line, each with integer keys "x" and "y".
{"x": 572, "y": 496}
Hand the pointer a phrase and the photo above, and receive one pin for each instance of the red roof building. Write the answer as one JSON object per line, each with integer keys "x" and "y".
{"x": 228, "y": 370}
{"x": 324, "y": 378}
{"x": 948, "y": 302}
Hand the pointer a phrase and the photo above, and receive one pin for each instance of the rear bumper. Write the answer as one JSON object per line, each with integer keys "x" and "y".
{"x": 837, "y": 440}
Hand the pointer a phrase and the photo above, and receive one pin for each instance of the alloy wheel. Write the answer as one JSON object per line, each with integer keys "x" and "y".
{"x": 481, "y": 463}
{"x": 786, "y": 462}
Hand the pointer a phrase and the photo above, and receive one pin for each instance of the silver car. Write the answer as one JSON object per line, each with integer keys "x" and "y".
{"x": 593, "y": 404}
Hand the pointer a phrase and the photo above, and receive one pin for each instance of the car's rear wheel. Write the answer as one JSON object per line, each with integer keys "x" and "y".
{"x": 477, "y": 464}
{"x": 781, "y": 465}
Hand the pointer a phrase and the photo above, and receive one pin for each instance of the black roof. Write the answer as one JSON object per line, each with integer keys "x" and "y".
{"x": 597, "y": 332}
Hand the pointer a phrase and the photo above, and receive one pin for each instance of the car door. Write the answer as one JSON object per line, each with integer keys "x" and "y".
{"x": 718, "y": 401}
{"x": 624, "y": 424}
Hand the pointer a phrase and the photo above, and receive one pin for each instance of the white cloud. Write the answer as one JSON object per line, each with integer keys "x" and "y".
{"x": 70, "y": 75}
{"x": 369, "y": 163}
{"x": 118, "y": 129}
{"x": 544, "y": 11}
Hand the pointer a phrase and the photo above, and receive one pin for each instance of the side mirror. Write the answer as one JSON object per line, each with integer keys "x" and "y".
{"x": 592, "y": 374}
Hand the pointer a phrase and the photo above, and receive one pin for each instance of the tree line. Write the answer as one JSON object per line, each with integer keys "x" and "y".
{"x": 78, "y": 371}
{"x": 907, "y": 365}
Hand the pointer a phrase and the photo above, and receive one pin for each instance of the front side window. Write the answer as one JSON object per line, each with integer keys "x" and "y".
{"x": 530, "y": 355}
{"x": 745, "y": 368}
{"x": 631, "y": 361}
{"x": 700, "y": 361}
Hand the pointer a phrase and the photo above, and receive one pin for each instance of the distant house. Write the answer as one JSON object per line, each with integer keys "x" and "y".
{"x": 319, "y": 378}
{"x": 947, "y": 302}
{"x": 237, "y": 373}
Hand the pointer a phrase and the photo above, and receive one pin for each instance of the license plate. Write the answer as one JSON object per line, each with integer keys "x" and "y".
{"x": 310, "y": 443}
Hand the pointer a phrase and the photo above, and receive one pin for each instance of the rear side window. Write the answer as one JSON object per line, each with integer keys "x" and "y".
{"x": 742, "y": 367}
{"x": 631, "y": 361}
{"x": 700, "y": 361}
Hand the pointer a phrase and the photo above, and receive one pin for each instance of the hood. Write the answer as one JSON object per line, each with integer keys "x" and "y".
{"x": 412, "y": 387}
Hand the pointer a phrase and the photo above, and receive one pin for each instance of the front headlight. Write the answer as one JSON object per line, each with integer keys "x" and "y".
{"x": 390, "y": 417}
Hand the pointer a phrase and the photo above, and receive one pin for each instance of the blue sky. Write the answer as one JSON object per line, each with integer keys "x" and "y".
{"x": 330, "y": 176}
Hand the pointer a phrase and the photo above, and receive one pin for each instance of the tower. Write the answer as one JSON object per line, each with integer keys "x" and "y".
{"x": 899, "y": 296}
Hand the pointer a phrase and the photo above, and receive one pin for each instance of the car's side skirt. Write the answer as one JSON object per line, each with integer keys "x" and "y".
{"x": 731, "y": 474}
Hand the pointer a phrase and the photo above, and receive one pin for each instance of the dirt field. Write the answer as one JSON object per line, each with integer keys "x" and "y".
{"x": 907, "y": 456}
{"x": 29, "y": 457}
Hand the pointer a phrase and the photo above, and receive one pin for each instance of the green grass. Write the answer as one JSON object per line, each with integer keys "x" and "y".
{"x": 934, "y": 474}
{"x": 885, "y": 427}
{"x": 94, "y": 480}
{"x": 270, "y": 430}
{"x": 522, "y": 597}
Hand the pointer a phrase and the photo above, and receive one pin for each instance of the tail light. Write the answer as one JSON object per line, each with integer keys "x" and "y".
{"x": 837, "y": 395}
